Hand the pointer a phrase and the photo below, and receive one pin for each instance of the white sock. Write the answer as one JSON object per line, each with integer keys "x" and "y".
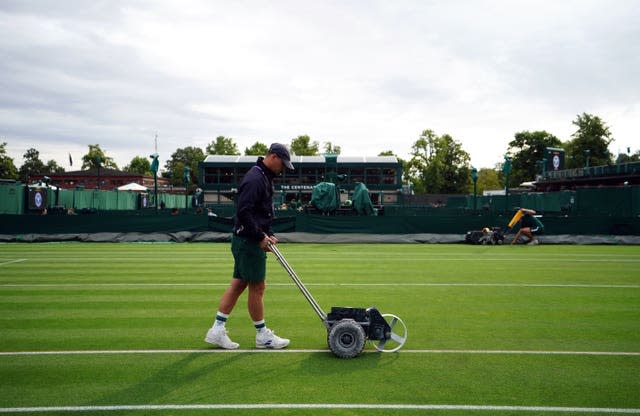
{"x": 221, "y": 319}
{"x": 260, "y": 326}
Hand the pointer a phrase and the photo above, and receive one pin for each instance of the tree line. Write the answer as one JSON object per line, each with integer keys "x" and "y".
{"x": 438, "y": 164}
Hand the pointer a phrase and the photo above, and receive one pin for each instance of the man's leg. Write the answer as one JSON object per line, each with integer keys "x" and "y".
{"x": 231, "y": 295}
{"x": 527, "y": 232}
{"x": 518, "y": 234}
{"x": 265, "y": 337}
{"x": 255, "y": 301}
{"x": 217, "y": 335}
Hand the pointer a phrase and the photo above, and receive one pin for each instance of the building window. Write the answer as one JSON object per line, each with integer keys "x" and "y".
{"x": 373, "y": 176}
{"x": 226, "y": 175}
{"x": 356, "y": 175}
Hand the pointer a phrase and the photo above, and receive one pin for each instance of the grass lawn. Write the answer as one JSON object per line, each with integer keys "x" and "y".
{"x": 118, "y": 329}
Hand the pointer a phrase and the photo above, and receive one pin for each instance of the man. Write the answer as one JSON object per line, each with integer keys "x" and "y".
{"x": 530, "y": 226}
{"x": 252, "y": 234}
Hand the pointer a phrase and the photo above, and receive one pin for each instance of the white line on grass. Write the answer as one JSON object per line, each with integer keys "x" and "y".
{"x": 558, "y": 285}
{"x": 12, "y": 261}
{"x": 306, "y": 351}
{"x": 324, "y": 406}
{"x": 497, "y": 285}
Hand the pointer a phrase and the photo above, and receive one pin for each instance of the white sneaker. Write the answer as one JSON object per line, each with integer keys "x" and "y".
{"x": 267, "y": 339}
{"x": 218, "y": 336}
{"x": 534, "y": 242}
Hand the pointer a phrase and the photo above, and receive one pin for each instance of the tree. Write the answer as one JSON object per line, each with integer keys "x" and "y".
{"x": 303, "y": 146}
{"x": 32, "y": 165}
{"x": 488, "y": 179}
{"x": 593, "y": 136}
{"x": 628, "y": 157}
{"x": 7, "y": 168}
{"x": 53, "y": 167}
{"x": 526, "y": 149}
{"x": 331, "y": 149}
{"x": 438, "y": 165}
{"x": 258, "y": 149}
{"x": 140, "y": 165}
{"x": 222, "y": 146}
{"x": 174, "y": 168}
{"x": 96, "y": 158}
{"x": 390, "y": 153}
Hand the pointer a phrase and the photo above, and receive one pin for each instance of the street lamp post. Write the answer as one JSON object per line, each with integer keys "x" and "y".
{"x": 506, "y": 169}
{"x": 98, "y": 162}
{"x": 474, "y": 176}
{"x": 587, "y": 154}
{"x": 154, "y": 169}
{"x": 186, "y": 177}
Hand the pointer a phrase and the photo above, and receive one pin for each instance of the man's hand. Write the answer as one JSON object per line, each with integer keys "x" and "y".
{"x": 264, "y": 243}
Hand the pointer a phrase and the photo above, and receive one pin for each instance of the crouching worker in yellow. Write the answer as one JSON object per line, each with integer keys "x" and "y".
{"x": 530, "y": 226}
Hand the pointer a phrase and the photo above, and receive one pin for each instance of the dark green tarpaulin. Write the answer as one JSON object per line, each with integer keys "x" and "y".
{"x": 361, "y": 200}
{"x": 325, "y": 197}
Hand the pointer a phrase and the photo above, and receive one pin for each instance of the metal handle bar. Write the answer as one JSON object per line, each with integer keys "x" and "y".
{"x": 316, "y": 307}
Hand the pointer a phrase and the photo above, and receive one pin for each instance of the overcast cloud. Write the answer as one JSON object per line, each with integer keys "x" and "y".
{"x": 368, "y": 76}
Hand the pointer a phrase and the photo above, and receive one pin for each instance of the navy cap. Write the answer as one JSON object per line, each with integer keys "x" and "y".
{"x": 281, "y": 151}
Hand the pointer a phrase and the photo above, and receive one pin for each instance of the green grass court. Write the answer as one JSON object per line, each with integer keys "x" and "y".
{"x": 117, "y": 329}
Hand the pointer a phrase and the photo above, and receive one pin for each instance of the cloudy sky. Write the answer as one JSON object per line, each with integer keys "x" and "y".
{"x": 368, "y": 75}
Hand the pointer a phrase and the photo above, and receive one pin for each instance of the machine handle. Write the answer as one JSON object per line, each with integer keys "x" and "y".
{"x": 316, "y": 307}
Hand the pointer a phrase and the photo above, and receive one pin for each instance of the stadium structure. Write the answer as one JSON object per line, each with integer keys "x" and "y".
{"x": 220, "y": 176}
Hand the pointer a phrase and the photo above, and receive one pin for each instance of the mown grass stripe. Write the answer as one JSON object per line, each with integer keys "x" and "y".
{"x": 307, "y": 351}
{"x": 418, "y": 284}
{"x": 320, "y": 406}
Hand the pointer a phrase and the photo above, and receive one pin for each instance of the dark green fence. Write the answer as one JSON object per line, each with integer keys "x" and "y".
{"x": 619, "y": 201}
{"x": 585, "y": 211}
{"x": 14, "y": 199}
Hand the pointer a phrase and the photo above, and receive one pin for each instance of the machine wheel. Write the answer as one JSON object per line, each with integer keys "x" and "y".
{"x": 397, "y": 337}
{"x": 346, "y": 338}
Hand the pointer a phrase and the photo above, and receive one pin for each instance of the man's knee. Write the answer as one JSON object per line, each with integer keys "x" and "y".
{"x": 257, "y": 288}
{"x": 237, "y": 286}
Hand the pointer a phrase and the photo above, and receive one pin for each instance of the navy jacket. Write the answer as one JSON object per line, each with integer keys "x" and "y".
{"x": 254, "y": 205}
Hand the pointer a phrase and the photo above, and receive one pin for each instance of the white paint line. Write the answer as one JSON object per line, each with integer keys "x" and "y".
{"x": 307, "y": 351}
{"x": 118, "y": 284}
{"x": 498, "y": 285}
{"x": 524, "y": 352}
{"x": 13, "y": 261}
{"x": 321, "y": 406}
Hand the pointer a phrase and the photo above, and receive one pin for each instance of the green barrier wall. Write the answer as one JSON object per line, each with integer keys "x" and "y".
{"x": 457, "y": 224}
{"x": 319, "y": 224}
{"x": 623, "y": 201}
{"x": 100, "y": 223}
{"x": 591, "y": 211}
{"x": 11, "y": 199}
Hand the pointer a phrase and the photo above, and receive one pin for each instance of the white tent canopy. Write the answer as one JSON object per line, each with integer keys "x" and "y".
{"x": 132, "y": 187}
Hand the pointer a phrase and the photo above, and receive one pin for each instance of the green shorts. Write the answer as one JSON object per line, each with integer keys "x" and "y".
{"x": 250, "y": 261}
